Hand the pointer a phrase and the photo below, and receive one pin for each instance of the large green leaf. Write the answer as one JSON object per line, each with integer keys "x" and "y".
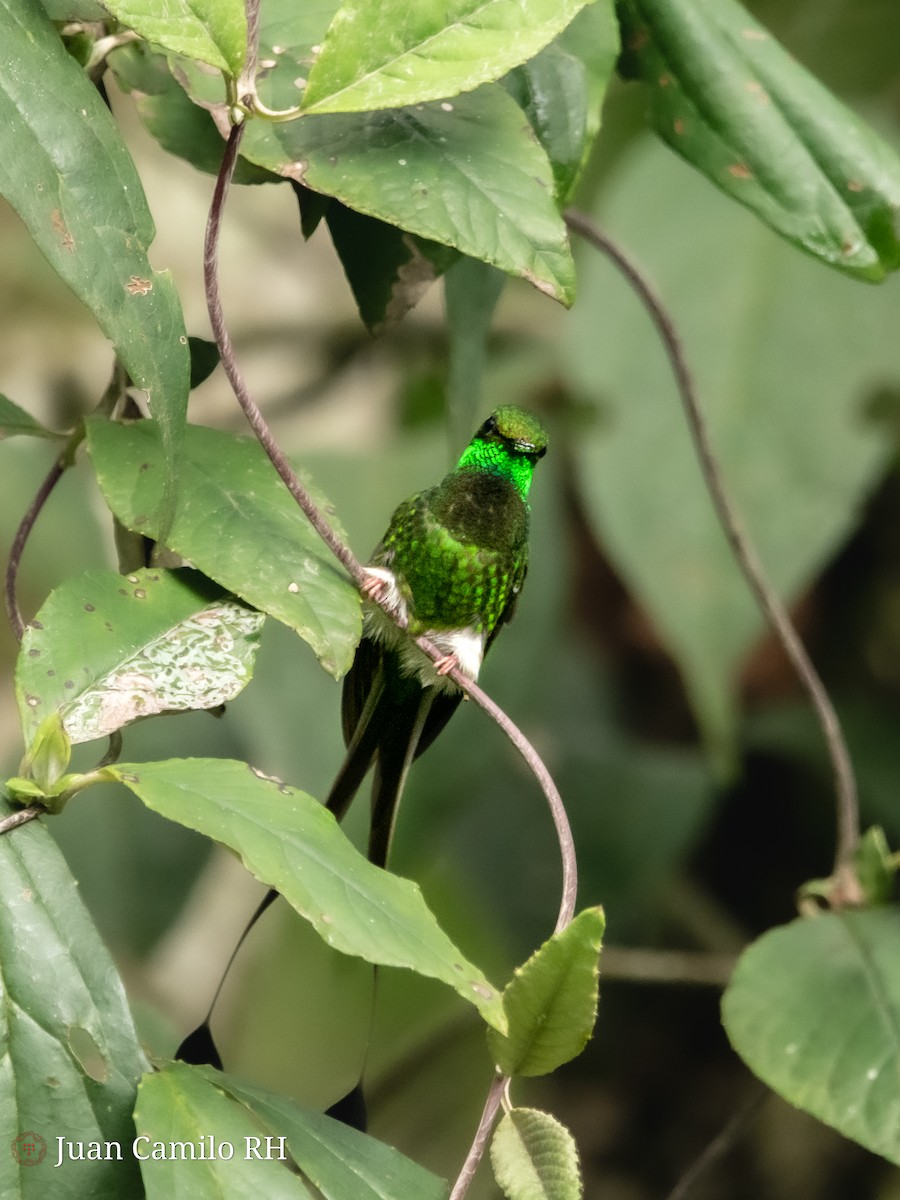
{"x": 728, "y": 98}
{"x": 768, "y": 334}
{"x": 178, "y": 1104}
{"x": 108, "y": 649}
{"x": 210, "y": 31}
{"x": 340, "y": 1161}
{"x": 292, "y": 843}
{"x": 466, "y": 173}
{"x": 389, "y": 53}
{"x": 534, "y": 1157}
{"x": 471, "y": 292}
{"x": 69, "y": 1058}
{"x": 551, "y": 1001}
{"x": 813, "y": 1008}
{"x": 238, "y": 523}
{"x": 66, "y": 171}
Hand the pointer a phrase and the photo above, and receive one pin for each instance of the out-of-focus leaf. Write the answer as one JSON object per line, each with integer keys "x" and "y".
{"x": 732, "y": 101}
{"x": 551, "y": 1001}
{"x": 562, "y": 89}
{"x": 813, "y": 1008}
{"x": 65, "y": 169}
{"x": 471, "y": 292}
{"x": 209, "y": 31}
{"x": 534, "y": 1157}
{"x": 767, "y": 333}
{"x": 292, "y": 843}
{"x": 69, "y": 1057}
{"x": 238, "y": 523}
{"x": 394, "y": 54}
{"x": 15, "y": 420}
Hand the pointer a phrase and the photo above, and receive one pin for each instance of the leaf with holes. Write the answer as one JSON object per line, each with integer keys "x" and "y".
{"x": 732, "y": 101}
{"x": 813, "y": 1008}
{"x": 238, "y": 523}
{"x": 395, "y": 54}
{"x": 551, "y": 1001}
{"x": 70, "y": 1060}
{"x": 534, "y": 1157}
{"x": 108, "y": 649}
{"x": 292, "y": 843}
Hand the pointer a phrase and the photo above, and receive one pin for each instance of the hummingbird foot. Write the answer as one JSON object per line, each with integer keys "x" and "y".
{"x": 380, "y": 586}
{"x": 445, "y": 664}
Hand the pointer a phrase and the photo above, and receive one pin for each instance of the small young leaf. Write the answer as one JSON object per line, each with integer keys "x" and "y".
{"x": 534, "y": 1157}
{"x": 551, "y": 1001}
{"x": 179, "y": 1104}
{"x": 15, "y": 421}
{"x": 49, "y": 753}
{"x": 341, "y": 1162}
{"x": 732, "y": 101}
{"x": 238, "y": 523}
{"x": 208, "y": 31}
{"x": 292, "y": 843}
{"x": 813, "y": 1008}
{"x": 108, "y": 649}
{"x": 71, "y": 1059}
{"x": 394, "y": 53}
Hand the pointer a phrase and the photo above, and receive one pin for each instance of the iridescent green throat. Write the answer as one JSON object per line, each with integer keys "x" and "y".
{"x": 509, "y": 444}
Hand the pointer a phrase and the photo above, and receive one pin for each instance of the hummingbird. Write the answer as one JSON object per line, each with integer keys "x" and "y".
{"x": 451, "y": 565}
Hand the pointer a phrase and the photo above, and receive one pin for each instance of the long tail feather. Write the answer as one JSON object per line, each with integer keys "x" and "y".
{"x": 395, "y": 755}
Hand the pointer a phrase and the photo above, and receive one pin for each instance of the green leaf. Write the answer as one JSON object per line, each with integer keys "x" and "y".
{"x": 49, "y": 753}
{"x": 178, "y": 1104}
{"x": 534, "y": 1157}
{"x": 813, "y": 1008}
{"x": 15, "y": 421}
{"x": 766, "y": 333}
{"x": 108, "y": 649}
{"x": 292, "y": 843}
{"x": 238, "y": 524}
{"x": 466, "y": 173}
{"x": 208, "y": 31}
{"x": 388, "y": 270}
{"x": 69, "y": 1057}
{"x": 471, "y": 292}
{"x": 391, "y": 54}
{"x": 562, "y": 90}
{"x": 551, "y": 1001}
{"x": 340, "y": 1161}
{"x": 728, "y": 98}
{"x": 66, "y": 171}
{"x": 180, "y": 126}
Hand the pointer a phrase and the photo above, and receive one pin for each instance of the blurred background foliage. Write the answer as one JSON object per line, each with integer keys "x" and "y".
{"x": 692, "y": 770}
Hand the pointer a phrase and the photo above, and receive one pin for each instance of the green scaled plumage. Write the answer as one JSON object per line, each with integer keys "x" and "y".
{"x": 453, "y": 562}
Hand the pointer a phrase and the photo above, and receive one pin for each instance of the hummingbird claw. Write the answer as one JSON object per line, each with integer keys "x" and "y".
{"x": 374, "y": 587}
{"x": 445, "y": 664}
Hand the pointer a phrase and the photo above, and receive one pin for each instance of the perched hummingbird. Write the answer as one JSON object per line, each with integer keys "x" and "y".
{"x": 452, "y": 563}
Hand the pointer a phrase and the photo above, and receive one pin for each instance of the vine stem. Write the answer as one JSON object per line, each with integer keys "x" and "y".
{"x": 845, "y": 885}
{"x": 482, "y": 1134}
{"x": 337, "y": 547}
{"x": 17, "y": 549}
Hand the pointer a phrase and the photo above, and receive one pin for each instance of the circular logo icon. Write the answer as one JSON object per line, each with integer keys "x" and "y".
{"x": 29, "y": 1149}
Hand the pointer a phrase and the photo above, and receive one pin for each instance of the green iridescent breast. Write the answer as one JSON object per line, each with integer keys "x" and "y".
{"x": 459, "y": 552}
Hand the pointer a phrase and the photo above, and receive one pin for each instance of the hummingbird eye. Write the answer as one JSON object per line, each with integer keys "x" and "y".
{"x": 488, "y": 427}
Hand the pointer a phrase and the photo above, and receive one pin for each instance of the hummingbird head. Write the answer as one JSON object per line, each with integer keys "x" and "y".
{"x": 509, "y": 443}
